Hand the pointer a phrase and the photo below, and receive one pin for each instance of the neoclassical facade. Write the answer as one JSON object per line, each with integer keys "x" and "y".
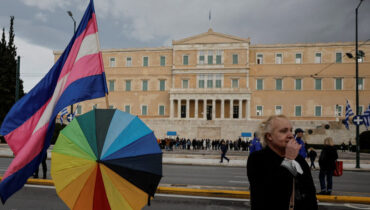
{"x": 215, "y": 85}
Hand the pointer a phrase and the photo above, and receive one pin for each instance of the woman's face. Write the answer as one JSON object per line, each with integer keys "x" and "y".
{"x": 281, "y": 134}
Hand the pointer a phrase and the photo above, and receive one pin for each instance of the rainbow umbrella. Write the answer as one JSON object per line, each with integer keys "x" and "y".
{"x": 106, "y": 159}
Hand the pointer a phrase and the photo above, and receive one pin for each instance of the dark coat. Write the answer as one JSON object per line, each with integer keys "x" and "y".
{"x": 327, "y": 158}
{"x": 271, "y": 184}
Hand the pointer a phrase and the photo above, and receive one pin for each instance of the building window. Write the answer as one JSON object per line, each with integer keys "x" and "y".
{"x": 163, "y": 60}
{"x": 145, "y": 61}
{"x": 360, "y": 83}
{"x": 218, "y": 57}
{"x": 128, "y": 61}
{"x": 79, "y": 109}
{"x": 278, "y": 110}
{"x": 144, "y": 110}
{"x": 201, "y": 57}
{"x": 278, "y": 58}
{"x": 112, "y": 62}
{"x": 235, "y": 112}
{"x": 185, "y": 83}
{"x": 318, "y": 84}
{"x": 210, "y": 81}
{"x": 317, "y": 111}
{"x": 235, "y": 83}
{"x": 298, "y": 84}
{"x": 128, "y": 108}
{"x": 162, "y": 85}
{"x": 278, "y": 84}
{"x": 259, "y": 110}
{"x": 259, "y": 59}
{"x": 210, "y": 57}
{"x": 338, "y": 83}
{"x": 235, "y": 59}
{"x": 128, "y": 85}
{"x": 318, "y": 57}
{"x": 111, "y": 85}
{"x": 161, "y": 110}
{"x": 145, "y": 85}
{"x": 111, "y": 107}
{"x": 338, "y": 110}
{"x": 360, "y": 109}
{"x": 298, "y": 58}
{"x": 201, "y": 81}
{"x": 338, "y": 57}
{"x": 259, "y": 84}
{"x": 185, "y": 60}
{"x": 298, "y": 111}
{"x": 218, "y": 81}
{"x": 95, "y": 106}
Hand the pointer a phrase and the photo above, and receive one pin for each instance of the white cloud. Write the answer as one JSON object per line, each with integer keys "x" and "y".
{"x": 50, "y": 5}
{"x": 41, "y": 16}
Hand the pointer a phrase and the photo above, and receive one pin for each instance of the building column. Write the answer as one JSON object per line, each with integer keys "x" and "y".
{"x": 196, "y": 108}
{"x": 171, "y": 108}
{"x": 205, "y": 109}
{"x": 213, "y": 109}
{"x": 187, "y": 108}
{"x": 231, "y": 108}
{"x": 222, "y": 109}
{"x": 240, "y": 108}
{"x": 179, "y": 108}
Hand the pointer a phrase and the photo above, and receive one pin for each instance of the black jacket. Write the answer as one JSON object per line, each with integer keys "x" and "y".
{"x": 327, "y": 158}
{"x": 271, "y": 183}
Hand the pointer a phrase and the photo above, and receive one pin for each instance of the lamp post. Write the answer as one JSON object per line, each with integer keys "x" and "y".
{"x": 74, "y": 31}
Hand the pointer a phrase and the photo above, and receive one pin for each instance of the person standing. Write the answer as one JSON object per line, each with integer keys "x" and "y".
{"x": 223, "y": 152}
{"x": 312, "y": 155}
{"x": 44, "y": 168}
{"x": 280, "y": 178}
{"x": 255, "y": 144}
{"x": 327, "y": 165}
{"x": 298, "y": 137}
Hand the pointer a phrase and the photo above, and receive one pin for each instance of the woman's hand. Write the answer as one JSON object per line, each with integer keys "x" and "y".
{"x": 292, "y": 149}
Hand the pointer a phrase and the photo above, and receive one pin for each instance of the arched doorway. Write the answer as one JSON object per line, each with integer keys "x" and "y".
{"x": 365, "y": 141}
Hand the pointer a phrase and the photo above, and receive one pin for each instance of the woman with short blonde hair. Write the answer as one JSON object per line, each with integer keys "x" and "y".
{"x": 327, "y": 165}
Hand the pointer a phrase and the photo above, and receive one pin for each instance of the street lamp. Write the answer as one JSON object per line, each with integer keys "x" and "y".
{"x": 359, "y": 54}
{"x": 74, "y": 31}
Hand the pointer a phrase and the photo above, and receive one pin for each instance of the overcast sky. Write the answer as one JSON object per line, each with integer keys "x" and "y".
{"x": 42, "y": 26}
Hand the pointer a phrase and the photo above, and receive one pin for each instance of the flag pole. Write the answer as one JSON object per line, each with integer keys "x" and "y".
{"x": 106, "y": 101}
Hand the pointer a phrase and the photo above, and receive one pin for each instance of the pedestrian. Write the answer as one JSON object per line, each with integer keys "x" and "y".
{"x": 327, "y": 165}
{"x": 44, "y": 168}
{"x": 312, "y": 155}
{"x": 349, "y": 145}
{"x": 298, "y": 137}
{"x": 223, "y": 151}
{"x": 255, "y": 144}
{"x": 280, "y": 178}
{"x": 343, "y": 147}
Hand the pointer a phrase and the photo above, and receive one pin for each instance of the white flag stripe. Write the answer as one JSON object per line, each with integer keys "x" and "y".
{"x": 88, "y": 46}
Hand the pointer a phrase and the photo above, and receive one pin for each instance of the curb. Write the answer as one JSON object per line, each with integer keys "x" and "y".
{"x": 225, "y": 193}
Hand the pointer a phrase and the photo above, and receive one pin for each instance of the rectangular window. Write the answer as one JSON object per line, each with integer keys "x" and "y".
{"x": 128, "y": 61}
{"x": 234, "y": 83}
{"x": 298, "y": 111}
{"x": 298, "y": 84}
{"x": 185, "y": 60}
{"x": 79, "y": 109}
{"x": 111, "y": 85}
{"x": 161, "y": 110}
{"x": 235, "y": 59}
{"x": 144, "y": 110}
{"x": 218, "y": 59}
{"x": 259, "y": 84}
{"x": 210, "y": 57}
{"x": 111, "y": 107}
{"x": 317, "y": 111}
{"x": 185, "y": 83}
{"x": 145, "y": 85}
{"x": 163, "y": 60}
{"x": 162, "y": 85}
{"x": 128, "y": 85}
{"x": 127, "y": 108}
{"x": 201, "y": 57}
{"x": 338, "y": 111}
{"x": 112, "y": 62}
{"x": 218, "y": 83}
{"x": 201, "y": 83}
{"x": 317, "y": 84}
{"x": 360, "y": 83}
{"x": 259, "y": 110}
{"x": 145, "y": 61}
{"x": 338, "y": 57}
{"x": 318, "y": 57}
{"x": 278, "y": 110}
{"x": 278, "y": 84}
{"x": 360, "y": 109}
{"x": 278, "y": 58}
{"x": 298, "y": 58}
{"x": 209, "y": 83}
{"x": 338, "y": 83}
{"x": 259, "y": 58}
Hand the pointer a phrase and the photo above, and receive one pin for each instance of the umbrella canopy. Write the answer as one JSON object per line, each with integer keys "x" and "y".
{"x": 106, "y": 159}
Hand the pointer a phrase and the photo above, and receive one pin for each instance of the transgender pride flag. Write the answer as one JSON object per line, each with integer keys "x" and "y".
{"x": 78, "y": 75}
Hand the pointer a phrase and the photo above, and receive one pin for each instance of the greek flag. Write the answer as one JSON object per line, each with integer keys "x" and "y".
{"x": 366, "y": 117}
{"x": 349, "y": 113}
{"x": 62, "y": 113}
